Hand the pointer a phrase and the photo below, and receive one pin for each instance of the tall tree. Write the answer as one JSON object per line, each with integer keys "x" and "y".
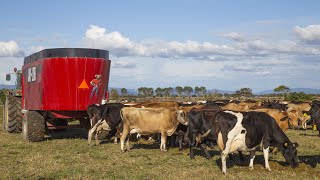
{"x": 188, "y": 90}
{"x": 245, "y": 92}
{"x": 159, "y": 92}
{"x": 282, "y": 89}
{"x": 203, "y": 90}
{"x": 114, "y": 94}
{"x": 124, "y": 92}
{"x": 197, "y": 90}
{"x": 141, "y": 91}
{"x": 167, "y": 91}
{"x": 149, "y": 91}
{"x": 179, "y": 90}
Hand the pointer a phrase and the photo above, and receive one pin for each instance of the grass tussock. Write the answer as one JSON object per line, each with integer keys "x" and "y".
{"x": 66, "y": 155}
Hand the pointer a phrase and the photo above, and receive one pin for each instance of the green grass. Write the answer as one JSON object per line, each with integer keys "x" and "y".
{"x": 66, "y": 155}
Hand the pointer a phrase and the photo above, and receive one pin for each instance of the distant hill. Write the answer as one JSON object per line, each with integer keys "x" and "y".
{"x": 305, "y": 90}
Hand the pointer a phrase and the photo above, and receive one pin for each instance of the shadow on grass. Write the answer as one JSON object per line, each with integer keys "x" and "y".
{"x": 310, "y": 160}
{"x": 259, "y": 159}
{"x": 199, "y": 153}
{"x": 235, "y": 160}
{"x": 311, "y": 135}
{"x": 71, "y": 133}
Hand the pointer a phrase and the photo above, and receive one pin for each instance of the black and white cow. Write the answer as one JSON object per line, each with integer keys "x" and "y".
{"x": 104, "y": 117}
{"x": 244, "y": 131}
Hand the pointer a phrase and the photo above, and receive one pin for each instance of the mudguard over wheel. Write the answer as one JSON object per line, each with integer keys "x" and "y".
{"x": 33, "y": 126}
{"x": 12, "y": 115}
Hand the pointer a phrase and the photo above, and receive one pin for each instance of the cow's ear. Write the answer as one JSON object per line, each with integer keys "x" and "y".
{"x": 295, "y": 145}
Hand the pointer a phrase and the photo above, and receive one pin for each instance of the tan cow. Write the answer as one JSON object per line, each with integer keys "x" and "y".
{"x": 281, "y": 117}
{"x": 168, "y": 104}
{"x": 299, "y": 106}
{"x": 148, "y": 121}
{"x": 236, "y": 107}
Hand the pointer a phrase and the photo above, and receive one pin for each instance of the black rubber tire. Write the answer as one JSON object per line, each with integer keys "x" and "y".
{"x": 33, "y": 126}
{"x": 12, "y": 115}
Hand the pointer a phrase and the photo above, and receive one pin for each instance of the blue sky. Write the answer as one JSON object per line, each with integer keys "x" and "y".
{"x": 218, "y": 44}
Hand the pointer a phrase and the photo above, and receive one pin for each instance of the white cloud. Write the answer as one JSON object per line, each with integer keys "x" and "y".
{"x": 10, "y": 49}
{"x": 234, "y": 36}
{"x": 308, "y": 33}
{"x": 119, "y": 45}
{"x": 122, "y": 46}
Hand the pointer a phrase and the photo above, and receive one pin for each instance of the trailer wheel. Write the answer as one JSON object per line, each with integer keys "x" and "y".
{"x": 12, "y": 115}
{"x": 33, "y": 126}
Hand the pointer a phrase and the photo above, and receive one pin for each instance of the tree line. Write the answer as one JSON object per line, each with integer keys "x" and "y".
{"x": 281, "y": 91}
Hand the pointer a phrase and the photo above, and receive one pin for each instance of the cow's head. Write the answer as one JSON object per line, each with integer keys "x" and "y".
{"x": 294, "y": 118}
{"x": 289, "y": 152}
{"x": 182, "y": 116}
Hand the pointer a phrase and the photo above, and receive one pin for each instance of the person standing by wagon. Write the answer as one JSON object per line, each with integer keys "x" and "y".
{"x": 95, "y": 83}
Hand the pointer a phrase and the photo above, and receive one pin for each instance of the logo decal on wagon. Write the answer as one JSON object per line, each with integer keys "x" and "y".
{"x": 96, "y": 82}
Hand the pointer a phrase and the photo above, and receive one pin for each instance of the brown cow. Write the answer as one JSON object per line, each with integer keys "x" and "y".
{"x": 168, "y": 104}
{"x": 148, "y": 121}
{"x": 281, "y": 117}
{"x": 236, "y": 107}
{"x": 299, "y": 106}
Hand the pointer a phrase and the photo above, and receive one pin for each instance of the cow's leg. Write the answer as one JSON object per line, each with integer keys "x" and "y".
{"x": 123, "y": 137}
{"x": 241, "y": 156}
{"x": 180, "y": 136}
{"x": 115, "y": 141}
{"x": 191, "y": 144}
{"x": 224, "y": 163}
{"x": 266, "y": 157}
{"x": 163, "y": 141}
{"x": 93, "y": 130}
{"x": 225, "y": 152}
{"x": 266, "y": 146}
{"x": 127, "y": 142}
{"x": 99, "y": 129}
{"x": 205, "y": 150}
{"x": 97, "y": 139}
{"x": 252, "y": 156}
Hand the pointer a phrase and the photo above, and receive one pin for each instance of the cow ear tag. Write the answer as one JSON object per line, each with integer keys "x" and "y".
{"x": 285, "y": 144}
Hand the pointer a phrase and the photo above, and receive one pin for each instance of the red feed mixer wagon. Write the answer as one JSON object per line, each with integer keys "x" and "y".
{"x": 57, "y": 87}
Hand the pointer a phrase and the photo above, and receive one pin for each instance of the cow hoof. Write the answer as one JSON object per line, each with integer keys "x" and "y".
{"x": 250, "y": 168}
{"x": 268, "y": 169}
{"x": 224, "y": 172}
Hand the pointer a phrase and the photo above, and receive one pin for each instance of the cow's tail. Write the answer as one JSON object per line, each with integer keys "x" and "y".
{"x": 121, "y": 114}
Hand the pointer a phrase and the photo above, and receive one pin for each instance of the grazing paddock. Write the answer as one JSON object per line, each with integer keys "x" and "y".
{"x": 66, "y": 155}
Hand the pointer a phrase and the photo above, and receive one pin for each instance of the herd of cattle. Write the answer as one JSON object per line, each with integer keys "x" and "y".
{"x": 231, "y": 125}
